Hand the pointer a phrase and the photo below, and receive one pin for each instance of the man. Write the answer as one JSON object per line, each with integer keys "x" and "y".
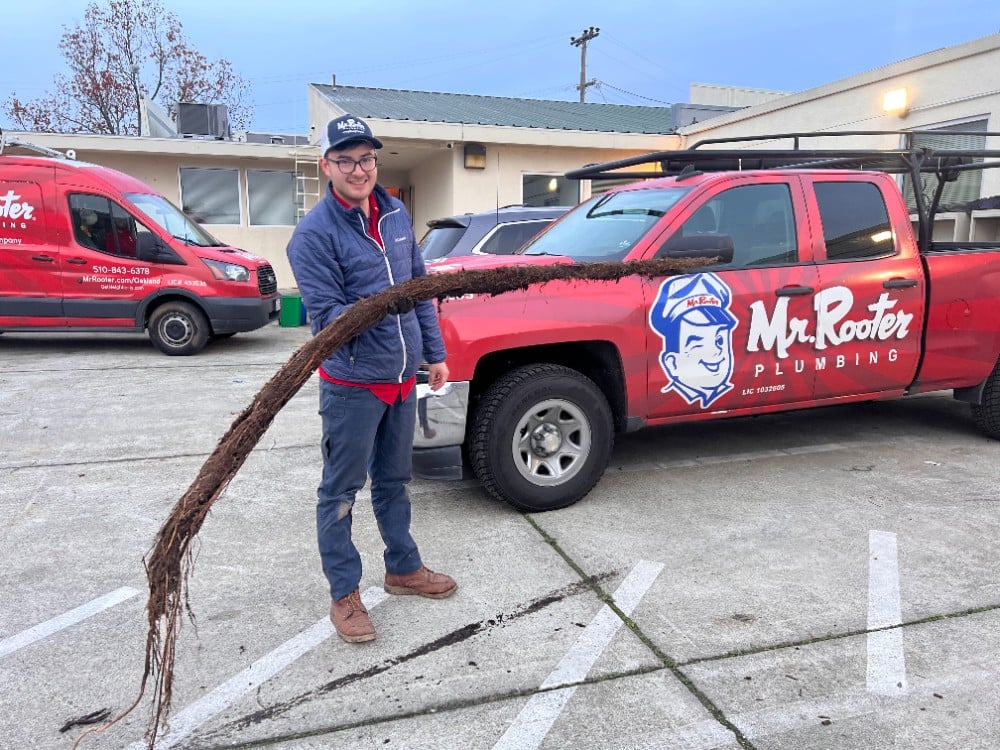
{"x": 692, "y": 315}
{"x": 358, "y": 241}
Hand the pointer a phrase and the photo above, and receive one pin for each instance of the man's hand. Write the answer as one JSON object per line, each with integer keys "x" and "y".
{"x": 437, "y": 376}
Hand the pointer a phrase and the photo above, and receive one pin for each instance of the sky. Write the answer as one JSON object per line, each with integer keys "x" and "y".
{"x": 648, "y": 52}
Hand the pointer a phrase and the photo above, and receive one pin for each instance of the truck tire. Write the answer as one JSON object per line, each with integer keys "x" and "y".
{"x": 987, "y": 413}
{"x": 541, "y": 437}
{"x": 178, "y": 328}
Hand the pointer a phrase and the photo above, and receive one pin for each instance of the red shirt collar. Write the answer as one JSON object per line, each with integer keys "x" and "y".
{"x": 372, "y": 210}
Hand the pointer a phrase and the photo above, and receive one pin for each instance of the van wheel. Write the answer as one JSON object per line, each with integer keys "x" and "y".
{"x": 987, "y": 413}
{"x": 178, "y": 328}
{"x": 541, "y": 437}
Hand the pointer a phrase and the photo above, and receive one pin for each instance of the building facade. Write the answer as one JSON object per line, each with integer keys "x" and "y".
{"x": 453, "y": 153}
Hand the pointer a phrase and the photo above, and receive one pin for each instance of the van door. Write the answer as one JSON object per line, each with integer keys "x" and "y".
{"x": 104, "y": 282}
{"x": 30, "y": 287}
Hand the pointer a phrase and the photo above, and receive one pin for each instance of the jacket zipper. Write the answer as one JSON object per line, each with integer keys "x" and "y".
{"x": 392, "y": 282}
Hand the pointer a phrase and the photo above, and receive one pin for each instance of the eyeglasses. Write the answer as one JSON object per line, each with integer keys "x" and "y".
{"x": 346, "y": 166}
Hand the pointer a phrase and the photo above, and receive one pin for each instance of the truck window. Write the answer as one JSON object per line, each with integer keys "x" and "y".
{"x": 759, "y": 219}
{"x": 608, "y": 226}
{"x": 855, "y": 220}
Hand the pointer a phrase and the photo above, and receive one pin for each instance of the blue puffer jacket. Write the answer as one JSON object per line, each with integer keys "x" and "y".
{"x": 336, "y": 263}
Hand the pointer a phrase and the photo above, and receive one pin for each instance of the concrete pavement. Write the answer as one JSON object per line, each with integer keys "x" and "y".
{"x": 819, "y": 579}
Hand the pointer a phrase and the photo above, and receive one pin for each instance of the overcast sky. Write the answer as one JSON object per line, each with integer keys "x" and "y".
{"x": 648, "y": 51}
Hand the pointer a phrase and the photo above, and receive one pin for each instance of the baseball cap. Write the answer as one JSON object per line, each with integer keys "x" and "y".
{"x": 344, "y": 130}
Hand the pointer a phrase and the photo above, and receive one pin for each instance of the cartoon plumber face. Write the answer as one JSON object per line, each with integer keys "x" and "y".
{"x": 691, "y": 314}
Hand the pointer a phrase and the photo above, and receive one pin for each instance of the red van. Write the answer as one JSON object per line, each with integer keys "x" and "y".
{"x": 87, "y": 248}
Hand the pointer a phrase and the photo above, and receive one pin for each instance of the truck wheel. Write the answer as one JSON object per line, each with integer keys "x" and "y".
{"x": 178, "y": 328}
{"x": 987, "y": 414}
{"x": 541, "y": 437}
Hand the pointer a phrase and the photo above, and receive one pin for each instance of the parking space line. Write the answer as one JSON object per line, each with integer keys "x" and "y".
{"x": 49, "y": 627}
{"x": 218, "y": 700}
{"x": 886, "y": 660}
{"x": 539, "y": 714}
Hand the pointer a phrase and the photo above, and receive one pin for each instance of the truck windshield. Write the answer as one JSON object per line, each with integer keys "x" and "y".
{"x": 606, "y": 227}
{"x": 172, "y": 219}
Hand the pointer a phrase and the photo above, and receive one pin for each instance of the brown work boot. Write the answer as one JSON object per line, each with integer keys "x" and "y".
{"x": 422, "y": 582}
{"x": 351, "y": 619}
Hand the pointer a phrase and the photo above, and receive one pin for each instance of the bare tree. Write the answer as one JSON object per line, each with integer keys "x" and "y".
{"x": 122, "y": 51}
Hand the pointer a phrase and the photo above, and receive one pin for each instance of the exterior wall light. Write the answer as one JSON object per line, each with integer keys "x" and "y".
{"x": 475, "y": 156}
{"x": 894, "y": 102}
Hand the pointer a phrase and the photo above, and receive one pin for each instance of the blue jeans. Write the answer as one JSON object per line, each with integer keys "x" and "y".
{"x": 362, "y": 436}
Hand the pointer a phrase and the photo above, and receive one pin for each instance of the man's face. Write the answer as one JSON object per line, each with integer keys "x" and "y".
{"x": 703, "y": 361}
{"x": 355, "y": 186}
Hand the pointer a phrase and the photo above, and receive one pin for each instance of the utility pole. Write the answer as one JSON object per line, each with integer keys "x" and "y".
{"x": 581, "y": 42}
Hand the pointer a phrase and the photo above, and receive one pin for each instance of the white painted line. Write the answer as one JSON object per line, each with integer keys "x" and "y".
{"x": 81, "y": 613}
{"x": 185, "y": 722}
{"x": 886, "y": 661}
{"x": 538, "y": 716}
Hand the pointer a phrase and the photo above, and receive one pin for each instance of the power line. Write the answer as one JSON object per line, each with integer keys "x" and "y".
{"x": 603, "y": 84}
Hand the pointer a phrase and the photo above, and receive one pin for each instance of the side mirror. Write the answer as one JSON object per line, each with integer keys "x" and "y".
{"x": 152, "y": 249}
{"x": 699, "y": 246}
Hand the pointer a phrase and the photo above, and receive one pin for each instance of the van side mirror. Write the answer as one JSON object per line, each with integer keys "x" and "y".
{"x": 699, "y": 246}
{"x": 152, "y": 249}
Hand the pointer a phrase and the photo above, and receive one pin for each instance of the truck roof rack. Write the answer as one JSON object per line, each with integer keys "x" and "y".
{"x": 910, "y": 159}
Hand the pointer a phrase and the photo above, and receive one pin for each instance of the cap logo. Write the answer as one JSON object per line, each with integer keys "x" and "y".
{"x": 352, "y": 126}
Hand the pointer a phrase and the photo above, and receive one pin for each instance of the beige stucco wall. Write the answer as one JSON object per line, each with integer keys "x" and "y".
{"x": 943, "y": 87}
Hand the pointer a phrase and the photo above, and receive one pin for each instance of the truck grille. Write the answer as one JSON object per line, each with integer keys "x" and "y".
{"x": 267, "y": 282}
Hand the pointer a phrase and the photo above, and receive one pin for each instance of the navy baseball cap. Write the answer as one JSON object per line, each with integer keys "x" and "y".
{"x": 344, "y": 130}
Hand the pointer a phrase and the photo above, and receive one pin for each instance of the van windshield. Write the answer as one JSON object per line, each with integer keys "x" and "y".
{"x": 172, "y": 220}
{"x": 606, "y": 227}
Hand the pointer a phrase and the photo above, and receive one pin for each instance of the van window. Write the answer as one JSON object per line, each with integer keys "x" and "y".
{"x": 103, "y": 225}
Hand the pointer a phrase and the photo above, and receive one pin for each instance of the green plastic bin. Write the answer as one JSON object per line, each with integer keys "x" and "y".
{"x": 293, "y": 313}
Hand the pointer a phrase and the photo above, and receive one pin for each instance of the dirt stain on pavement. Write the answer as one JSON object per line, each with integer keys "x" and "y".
{"x": 449, "y": 639}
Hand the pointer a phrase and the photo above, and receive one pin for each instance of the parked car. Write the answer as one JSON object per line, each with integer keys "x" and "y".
{"x": 87, "y": 248}
{"x": 498, "y": 232}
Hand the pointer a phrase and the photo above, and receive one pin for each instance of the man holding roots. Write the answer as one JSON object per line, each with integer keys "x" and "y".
{"x": 358, "y": 241}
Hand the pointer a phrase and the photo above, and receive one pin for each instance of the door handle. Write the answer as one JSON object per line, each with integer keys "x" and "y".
{"x": 899, "y": 283}
{"x": 43, "y": 258}
{"x": 77, "y": 261}
{"x": 793, "y": 291}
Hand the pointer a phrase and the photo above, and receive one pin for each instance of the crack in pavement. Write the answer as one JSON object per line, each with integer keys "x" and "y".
{"x": 449, "y": 639}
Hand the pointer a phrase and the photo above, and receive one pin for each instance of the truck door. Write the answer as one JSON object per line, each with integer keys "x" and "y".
{"x": 30, "y": 292}
{"x": 870, "y": 304}
{"x": 730, "y": 336}
{"x": 104, "y": 281}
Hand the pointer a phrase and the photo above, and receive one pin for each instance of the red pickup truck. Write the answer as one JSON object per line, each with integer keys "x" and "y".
{"x": 815, "y": 291}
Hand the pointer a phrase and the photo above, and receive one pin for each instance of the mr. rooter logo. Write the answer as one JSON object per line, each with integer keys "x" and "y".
{"x": 15, "y": 213}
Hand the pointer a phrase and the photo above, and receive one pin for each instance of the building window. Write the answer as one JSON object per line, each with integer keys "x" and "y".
{"x": 211, "y": 196}
{"x": 968, "y": 185}
{"x": 271, "y": 197}
{"x": 549, "y": 190}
